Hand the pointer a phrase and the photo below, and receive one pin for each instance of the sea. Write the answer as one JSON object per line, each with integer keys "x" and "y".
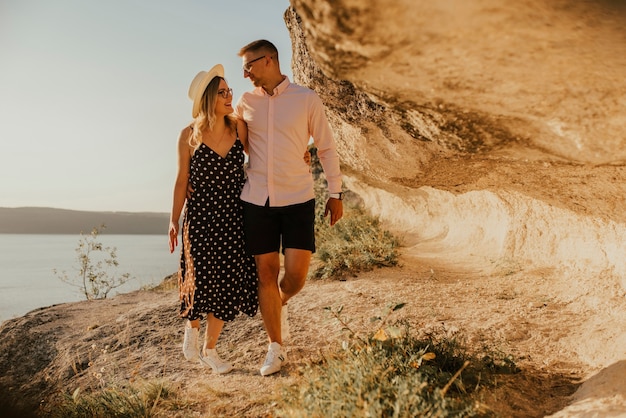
{"x": 28, "y": 263}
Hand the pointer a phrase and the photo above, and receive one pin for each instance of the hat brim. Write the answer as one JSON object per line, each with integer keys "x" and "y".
{"x": 216, "y": 71}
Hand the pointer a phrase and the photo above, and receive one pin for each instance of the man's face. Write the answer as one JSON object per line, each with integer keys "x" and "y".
{"x": 253, "y": 66}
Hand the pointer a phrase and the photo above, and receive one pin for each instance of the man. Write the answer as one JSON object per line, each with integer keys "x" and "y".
{"x": 279, "y": 202}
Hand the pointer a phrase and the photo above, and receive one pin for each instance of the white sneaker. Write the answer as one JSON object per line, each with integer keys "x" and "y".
{"x": 213, "y": 360}
{"x": 190, "y": 343}
{"x": 284, "y": 324}
{"x": 274, "y": 360}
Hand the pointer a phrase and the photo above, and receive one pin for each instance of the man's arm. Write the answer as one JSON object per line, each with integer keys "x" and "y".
{"x": 327, "y": 154}
{"x": 325, "y": 143}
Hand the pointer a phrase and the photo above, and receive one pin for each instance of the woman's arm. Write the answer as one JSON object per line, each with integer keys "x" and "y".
{"x": 180, "y": 186}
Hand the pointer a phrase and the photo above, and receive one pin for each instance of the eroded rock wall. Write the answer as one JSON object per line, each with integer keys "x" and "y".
{"x": 498, "y": 100}
{"x": 485, "y": 134}
{"x": 474, "y": 76}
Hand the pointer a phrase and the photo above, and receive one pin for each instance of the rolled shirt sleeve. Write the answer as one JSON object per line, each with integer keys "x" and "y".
{"x": 325, "y": 144}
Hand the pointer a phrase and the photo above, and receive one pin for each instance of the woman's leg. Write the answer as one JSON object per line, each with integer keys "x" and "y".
{"x": 191, "y": 349}
{"x": 210, "y": 357}
{"x": 213, "y": 330}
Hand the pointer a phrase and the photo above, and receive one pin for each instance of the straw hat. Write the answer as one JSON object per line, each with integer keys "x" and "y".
{"x": 199, "y": 85}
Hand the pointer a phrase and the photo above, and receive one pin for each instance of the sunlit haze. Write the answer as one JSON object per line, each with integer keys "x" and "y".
{"x": 93, "y": 94}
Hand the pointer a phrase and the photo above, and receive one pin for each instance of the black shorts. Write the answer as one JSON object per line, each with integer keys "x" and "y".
{"x": 266, "y": 228}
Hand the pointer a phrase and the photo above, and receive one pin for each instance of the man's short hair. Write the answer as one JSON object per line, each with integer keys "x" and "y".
{"x": 259, "y": 45}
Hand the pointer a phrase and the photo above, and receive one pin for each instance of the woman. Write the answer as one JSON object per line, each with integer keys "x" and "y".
{"x": 217, "y": 277}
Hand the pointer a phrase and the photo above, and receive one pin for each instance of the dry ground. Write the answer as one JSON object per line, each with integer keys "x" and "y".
{"x": 137, "y": 336}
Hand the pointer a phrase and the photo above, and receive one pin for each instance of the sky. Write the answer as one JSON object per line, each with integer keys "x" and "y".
{"x": 93, "y": 94}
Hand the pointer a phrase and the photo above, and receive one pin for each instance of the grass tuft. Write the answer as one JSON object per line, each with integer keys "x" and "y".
{"x": 135, "y": 401}
{"x": 394, "y": 374}
{"x": 355, "y": 244}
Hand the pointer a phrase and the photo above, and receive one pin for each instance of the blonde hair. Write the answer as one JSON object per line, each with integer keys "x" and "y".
{"x": 206, "y": 116}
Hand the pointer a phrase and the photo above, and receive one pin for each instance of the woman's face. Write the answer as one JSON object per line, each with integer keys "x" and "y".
{"x": 224, "y": 100}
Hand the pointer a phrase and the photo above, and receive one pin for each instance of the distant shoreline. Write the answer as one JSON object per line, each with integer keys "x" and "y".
{"x": 43, "y": 220}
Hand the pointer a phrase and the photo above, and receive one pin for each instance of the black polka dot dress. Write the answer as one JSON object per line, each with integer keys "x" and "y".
{"x": 216, "y": 273}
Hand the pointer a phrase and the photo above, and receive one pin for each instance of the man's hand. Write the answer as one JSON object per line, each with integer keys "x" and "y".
{"x": 335, "y": 207}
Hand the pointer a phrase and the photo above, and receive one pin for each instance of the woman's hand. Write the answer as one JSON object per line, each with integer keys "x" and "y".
{"x": 173, "y": 235}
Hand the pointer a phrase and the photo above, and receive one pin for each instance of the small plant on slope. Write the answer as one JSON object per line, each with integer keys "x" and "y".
{"x": 94, "y": 264}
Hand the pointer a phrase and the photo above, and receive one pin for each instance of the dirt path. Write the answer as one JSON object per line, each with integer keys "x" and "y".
{"x": 137, "y": 336}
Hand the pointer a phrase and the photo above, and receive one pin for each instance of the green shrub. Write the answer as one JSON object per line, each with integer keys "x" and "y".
{"x": 355, "y": 244}
{"x": 394, "y": 374}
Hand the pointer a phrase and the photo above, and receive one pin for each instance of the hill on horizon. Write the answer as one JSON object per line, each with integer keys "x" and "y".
{"x": 43, "y": 220}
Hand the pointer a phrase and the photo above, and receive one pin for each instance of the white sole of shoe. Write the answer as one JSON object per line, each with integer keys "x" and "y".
{"x": 221, "y": 369}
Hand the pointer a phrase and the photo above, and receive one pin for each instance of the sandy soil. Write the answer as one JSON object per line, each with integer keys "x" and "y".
{"x": 137, "y": 336}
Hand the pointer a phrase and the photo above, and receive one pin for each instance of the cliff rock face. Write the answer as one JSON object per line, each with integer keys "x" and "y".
{"x": 484, "y": 129}
{"x": 490, "y": 136}
{"x": 473, "y": 76}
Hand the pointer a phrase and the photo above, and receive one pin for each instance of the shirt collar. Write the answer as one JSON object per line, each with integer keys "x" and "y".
{"x": 279, "y": 89}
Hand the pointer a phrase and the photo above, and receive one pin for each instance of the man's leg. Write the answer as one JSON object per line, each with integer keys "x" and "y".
{"x": 268, "y": 267}
{"x": 296, "y": 269}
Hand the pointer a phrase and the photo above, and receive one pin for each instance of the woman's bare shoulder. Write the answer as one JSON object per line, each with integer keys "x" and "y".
{"x": 186, "y": 131}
